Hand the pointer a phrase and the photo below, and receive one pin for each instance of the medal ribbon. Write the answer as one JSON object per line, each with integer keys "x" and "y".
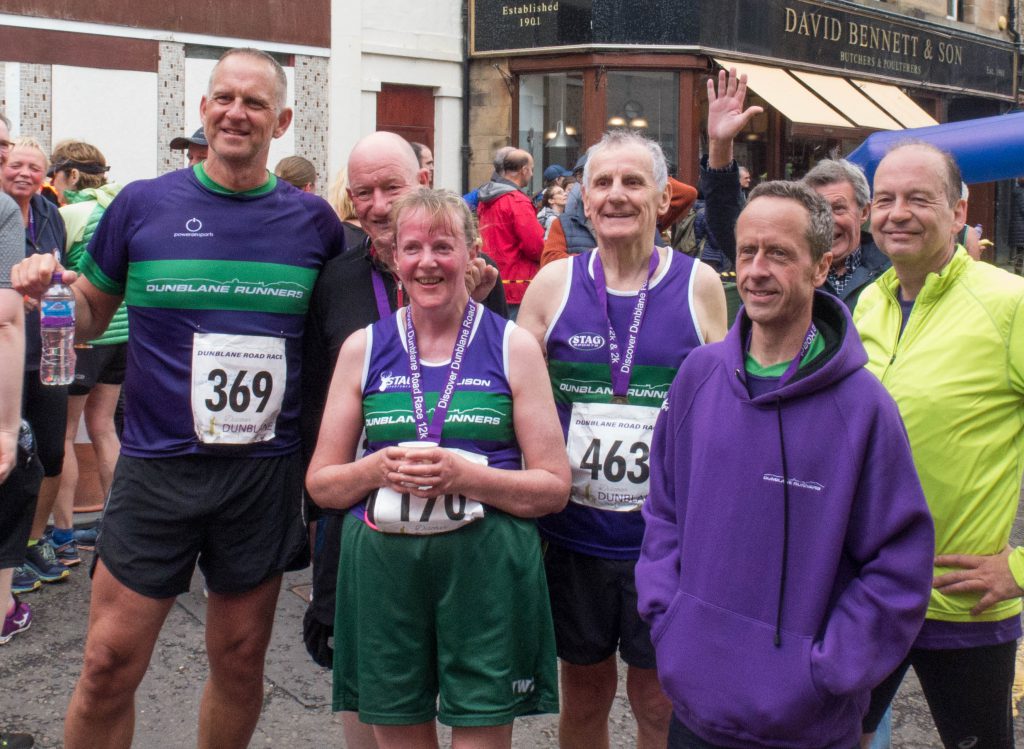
{"x": 432, "y": 432}
{"x": 622, "y": 364}
{"x": 381, "y": 294}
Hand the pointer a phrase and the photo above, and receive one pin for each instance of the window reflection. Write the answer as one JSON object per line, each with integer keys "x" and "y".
{"x": 647, "y": 102}
{"x": 550, "y": 120}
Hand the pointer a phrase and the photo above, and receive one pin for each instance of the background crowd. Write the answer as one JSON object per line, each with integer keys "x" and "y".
{"x": 870, "y": 391}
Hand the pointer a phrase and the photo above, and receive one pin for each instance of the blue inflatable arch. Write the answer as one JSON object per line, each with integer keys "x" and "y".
{"x": 987, "y": 149}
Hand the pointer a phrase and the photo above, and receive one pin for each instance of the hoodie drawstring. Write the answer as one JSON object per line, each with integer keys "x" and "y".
{"x": 785, "y": 526}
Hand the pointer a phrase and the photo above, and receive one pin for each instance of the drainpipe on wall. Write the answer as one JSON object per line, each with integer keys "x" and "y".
{"x": 466, "y": 151}
{"x": 1018, "y": 50}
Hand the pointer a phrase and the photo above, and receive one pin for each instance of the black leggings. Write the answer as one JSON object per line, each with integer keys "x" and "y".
{"x": 45, "y": 407}
{"x": 17, "y": 507}
{"x": 968, "y": 692}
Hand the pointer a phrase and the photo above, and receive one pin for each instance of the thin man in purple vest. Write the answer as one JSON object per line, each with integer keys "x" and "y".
{"x": 615, "y": 325}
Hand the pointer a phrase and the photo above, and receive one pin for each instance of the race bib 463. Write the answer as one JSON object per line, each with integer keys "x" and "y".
{"x": 609, "y": 451}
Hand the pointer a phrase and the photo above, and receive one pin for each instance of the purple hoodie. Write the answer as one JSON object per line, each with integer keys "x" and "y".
{"x": 787, "y": 558}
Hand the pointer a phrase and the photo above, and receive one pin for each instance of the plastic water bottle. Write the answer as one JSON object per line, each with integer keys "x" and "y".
{"x": 57, "y": 328}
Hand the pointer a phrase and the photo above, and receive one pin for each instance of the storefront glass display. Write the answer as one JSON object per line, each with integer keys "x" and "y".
{"x": 550, "y": 117}
{"x": 647, "y": 102}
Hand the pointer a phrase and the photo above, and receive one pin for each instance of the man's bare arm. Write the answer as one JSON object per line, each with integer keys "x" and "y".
{"x": 12, "y": 362}
{"x": 542, "y": 298}
{"x": 93, "y": 308}
{"x": 709, "y": 301}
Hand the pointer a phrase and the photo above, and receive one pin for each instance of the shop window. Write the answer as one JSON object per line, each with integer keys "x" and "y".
{"x": 550, "y": 118}
{"x": 647, "y": 102}
{"x": 802, "y": 152}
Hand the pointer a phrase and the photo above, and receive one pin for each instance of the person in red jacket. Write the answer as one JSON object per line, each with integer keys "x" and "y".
{"x": 512, "y": 235}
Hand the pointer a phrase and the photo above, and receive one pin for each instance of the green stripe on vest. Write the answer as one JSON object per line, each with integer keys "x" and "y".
{"x": 220, "y": 285}
{"x": 586, "y": 382}
{"x": 472, "y": 415}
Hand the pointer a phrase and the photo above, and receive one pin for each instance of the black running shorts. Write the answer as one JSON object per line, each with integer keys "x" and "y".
{"x": 593, "y": 602}
{"x": 17, "y": 507}
{"x": 102, "y": 365}
{"x": 241, "y": 518}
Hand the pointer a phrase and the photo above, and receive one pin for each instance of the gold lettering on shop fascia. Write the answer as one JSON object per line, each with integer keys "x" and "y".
{"x": 529, "y": 14}
{"x": 905, "y": 49}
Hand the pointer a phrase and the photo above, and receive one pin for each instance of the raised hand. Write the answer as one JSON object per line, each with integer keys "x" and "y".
{"x": 726, "y": 115}
{"x": 480, "y": 278}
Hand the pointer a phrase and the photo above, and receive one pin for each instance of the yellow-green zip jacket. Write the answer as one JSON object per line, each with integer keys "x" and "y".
{"x": 957, "y": 375}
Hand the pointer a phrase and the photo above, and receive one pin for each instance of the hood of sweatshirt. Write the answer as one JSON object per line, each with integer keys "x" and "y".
{"x": 496, "y": 188}
{"x": 103, "y": 194}
{"x": 843, "y": 355}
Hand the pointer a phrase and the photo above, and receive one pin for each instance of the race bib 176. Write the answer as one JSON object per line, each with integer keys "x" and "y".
{"x": 391, "y": 512}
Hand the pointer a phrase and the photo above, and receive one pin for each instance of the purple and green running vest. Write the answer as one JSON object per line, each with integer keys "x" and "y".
{"x": 479, "y": 418}
{"x": 609, "y": 442}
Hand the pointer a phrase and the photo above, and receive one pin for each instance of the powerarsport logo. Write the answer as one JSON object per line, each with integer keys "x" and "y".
{"x": 193, "y": 228}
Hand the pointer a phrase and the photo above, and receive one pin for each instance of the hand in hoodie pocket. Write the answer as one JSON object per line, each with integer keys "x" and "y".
{"x": 733, "y": 679}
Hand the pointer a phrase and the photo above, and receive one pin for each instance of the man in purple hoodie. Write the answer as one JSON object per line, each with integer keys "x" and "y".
{"x": 780, "y": 591}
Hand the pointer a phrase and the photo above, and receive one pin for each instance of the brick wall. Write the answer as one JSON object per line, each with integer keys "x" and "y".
{"x": 36, "y": 102}
{"x": 490, "y": 117}
{"x": 982, "y": 14}
{"x": 311, "y": 115}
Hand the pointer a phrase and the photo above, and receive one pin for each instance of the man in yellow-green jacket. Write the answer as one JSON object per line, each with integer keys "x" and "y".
{"x": 946, "y": 336}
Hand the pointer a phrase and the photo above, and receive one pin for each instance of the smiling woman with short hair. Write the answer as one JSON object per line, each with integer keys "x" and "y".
{"x": 441, "y": 590}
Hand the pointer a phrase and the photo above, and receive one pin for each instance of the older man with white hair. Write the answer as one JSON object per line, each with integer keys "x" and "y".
{"x": 856, "y": 260}
{"x": 616, "y": 324}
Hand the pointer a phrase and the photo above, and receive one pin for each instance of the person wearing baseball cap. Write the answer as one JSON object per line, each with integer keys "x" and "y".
{"x": 554, "y": 175}
{"x": 555, "y": 172}
{"x": 195, "y": 145}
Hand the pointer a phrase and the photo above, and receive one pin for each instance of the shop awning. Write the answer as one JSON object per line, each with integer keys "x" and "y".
{"x": 896, "y": 103}
{"x": 786, "y": 94}
{"x": 817, "y": 99}
{"x": 842, "y": 95}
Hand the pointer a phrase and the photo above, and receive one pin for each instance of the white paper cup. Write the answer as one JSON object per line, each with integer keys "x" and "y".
{"x": 417, "y": 444}
{"x": 410, "y": 447}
